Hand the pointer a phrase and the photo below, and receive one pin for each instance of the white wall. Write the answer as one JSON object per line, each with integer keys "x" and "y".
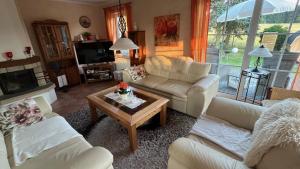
{"x": 35, "y": 10}
{"x": 143, "y": 13}
{"x": 13, "y": 34}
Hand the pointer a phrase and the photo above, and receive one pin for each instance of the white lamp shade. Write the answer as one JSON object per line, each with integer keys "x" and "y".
{"x": 123, "y": 44}
{"x": 261, "y": 52}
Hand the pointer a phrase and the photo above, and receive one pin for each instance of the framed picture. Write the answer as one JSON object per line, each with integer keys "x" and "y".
{"x": 167, "y": 30}
{"x": 85, "y": 21}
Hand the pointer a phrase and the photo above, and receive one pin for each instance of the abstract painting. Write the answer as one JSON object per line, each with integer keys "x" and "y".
{"x": 167, "y": 30}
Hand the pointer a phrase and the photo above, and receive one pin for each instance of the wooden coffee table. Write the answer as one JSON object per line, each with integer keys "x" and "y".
{"x": 129, "y": 118}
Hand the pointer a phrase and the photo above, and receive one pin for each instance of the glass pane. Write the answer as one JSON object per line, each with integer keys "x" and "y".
{"x": 272, "y": 33}
{"x": 64, "y": 41}
{"x": 226, "y": 43}
{"x": 48, "y": 36}
{"x": 229, "y": 78}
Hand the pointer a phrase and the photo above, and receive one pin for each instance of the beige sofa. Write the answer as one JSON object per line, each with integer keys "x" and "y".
{"x": 187, "y": 84}
{"x": 76, "y": 153}
{"x": 194, "y": 152}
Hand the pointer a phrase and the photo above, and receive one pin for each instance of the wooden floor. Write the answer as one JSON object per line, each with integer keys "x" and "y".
{"x": 74, "y": 98}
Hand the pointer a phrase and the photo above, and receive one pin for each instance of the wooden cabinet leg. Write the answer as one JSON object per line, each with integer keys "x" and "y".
{"x": 94, "y": 115}
{"x": 132, "y": 137}
{"x": 163, "y": 115}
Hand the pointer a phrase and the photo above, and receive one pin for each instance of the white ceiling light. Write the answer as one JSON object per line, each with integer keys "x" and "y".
{"x": 123, "y": 43}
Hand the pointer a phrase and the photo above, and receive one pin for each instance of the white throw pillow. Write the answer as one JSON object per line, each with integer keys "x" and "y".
{"x": 17, "y": 114}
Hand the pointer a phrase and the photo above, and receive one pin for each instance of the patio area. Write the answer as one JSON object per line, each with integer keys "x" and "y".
{"x": 228, "y": 41}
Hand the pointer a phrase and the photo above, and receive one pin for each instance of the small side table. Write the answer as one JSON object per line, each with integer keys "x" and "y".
{"x": 261, "y": 80}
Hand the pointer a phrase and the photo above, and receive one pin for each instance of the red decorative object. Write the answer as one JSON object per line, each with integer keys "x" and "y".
{"x": 123, "y": 85}
{"x": 9, "y": 55}
{"x": 123, "y": 88}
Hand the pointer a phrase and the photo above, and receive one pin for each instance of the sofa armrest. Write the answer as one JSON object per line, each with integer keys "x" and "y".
{"x": 201, "y": 93}
{"x": 188, "y": 154}
{"x": 207, "y": 82}
{"x": 238, "y": 113}
{"x": 43, "y": 105}
{"x": 94, "y": 158}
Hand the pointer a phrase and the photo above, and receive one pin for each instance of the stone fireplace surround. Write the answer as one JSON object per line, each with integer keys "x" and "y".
{"x": 45, "y": 89}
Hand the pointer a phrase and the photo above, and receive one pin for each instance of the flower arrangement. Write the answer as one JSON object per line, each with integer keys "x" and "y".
{"x": 123, "y": 88}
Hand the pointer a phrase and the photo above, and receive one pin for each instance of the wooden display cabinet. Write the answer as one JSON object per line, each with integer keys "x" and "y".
{"x": 56, "y": 46}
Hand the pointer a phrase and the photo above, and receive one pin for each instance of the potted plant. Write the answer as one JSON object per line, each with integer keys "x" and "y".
{"x": 87, "y": 35}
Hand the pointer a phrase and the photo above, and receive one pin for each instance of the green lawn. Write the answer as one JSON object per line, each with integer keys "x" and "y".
{"x": 235, "y": 59}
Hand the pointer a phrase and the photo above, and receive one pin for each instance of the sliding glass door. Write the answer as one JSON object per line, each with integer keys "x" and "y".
{"x": 228, "y": 43}
{"x": 279, "y": 33}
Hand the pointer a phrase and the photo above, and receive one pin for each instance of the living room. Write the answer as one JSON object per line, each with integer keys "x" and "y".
{"x": 149, "y": 84}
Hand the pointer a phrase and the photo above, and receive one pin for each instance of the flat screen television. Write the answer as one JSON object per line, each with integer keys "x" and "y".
{"x": 94, "y": 52}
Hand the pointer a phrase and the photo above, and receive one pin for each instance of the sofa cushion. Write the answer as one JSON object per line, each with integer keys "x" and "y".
{"x": 56, "y": 157}
{"x": 150, "y": 81}
{"x": 4, "y": 164}
{"x": 176, "y": 68}
{"x": 17, "y": 114}
{"x": 176, "y": 103}
{"x": 44, "y": 106}
{"x": 175, "y": 87}
{"x": 158, "y": 66}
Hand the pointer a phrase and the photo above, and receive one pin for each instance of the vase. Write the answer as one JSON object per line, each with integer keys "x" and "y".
{"x": 124, "y": 96}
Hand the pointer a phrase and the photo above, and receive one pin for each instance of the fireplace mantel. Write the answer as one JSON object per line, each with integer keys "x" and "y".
{"x": 45, "y": 88}
{"x": 20, "y": 62}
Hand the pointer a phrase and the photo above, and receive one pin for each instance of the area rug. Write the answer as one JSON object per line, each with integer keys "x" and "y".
{"x": 153, "y": 140}
{"x": 82, "y": 120}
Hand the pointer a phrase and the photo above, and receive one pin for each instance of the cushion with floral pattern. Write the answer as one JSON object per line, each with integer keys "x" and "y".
{"x": 19, "y": 114}
{"x": 137, "y": 72}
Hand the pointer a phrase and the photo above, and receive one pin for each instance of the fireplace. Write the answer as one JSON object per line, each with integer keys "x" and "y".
{"x": 18, "y": 81}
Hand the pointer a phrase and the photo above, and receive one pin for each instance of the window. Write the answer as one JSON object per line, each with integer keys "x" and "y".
{"x": 228, "y": 38}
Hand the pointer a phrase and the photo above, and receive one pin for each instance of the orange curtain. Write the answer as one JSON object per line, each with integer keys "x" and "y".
{"x": 200, "y": 22}
{"x": 111, "y": 15}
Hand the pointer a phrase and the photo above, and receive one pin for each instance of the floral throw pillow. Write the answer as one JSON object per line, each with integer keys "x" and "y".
{"x": 137, "y": 72}
{"x": 19, "y": 114}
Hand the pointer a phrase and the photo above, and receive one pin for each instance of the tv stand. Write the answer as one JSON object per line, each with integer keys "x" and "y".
{"x": 98, "y": 72}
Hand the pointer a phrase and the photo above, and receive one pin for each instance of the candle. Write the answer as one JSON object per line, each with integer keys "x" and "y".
{"x": 9, "y": 55}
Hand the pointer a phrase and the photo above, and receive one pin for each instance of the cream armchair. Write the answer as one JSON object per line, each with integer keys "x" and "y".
{"x": 194, "y": 152}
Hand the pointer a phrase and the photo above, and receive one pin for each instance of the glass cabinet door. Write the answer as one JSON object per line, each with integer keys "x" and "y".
{"x": 48, "y": 39}
{"x": 64, "y": 42}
